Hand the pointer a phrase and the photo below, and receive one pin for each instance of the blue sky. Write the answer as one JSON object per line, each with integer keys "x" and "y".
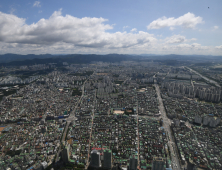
{"x": 111, "y": 26}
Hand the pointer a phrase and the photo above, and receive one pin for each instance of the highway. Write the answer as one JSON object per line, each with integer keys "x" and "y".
{"x": 166, "y": 124}
{"x": 207, "y": 79}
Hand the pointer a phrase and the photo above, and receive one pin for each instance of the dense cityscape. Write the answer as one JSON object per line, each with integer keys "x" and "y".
{"x": 110, "y": 85}
{"x": 106, "y": 115}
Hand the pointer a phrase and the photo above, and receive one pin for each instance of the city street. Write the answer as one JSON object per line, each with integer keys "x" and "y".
{"x": 138, "y": 137}
{"x": 69, "y": 120}
{"x": 166, "y": 125}
{"x": 90, "y": 138}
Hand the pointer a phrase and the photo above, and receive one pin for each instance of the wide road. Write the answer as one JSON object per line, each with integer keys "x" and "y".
{"x": 138, "y": 136}
{"x": 90, "y": 136}
{"x": 72, "y": 114}
{"x": 68, "y": 120}
{"x": 209, "y": 80}
{"x": 63, "y": 138}
{"x": 166, "y": 125}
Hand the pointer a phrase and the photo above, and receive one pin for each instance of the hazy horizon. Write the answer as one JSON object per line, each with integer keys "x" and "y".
{"x": 114, "y": 53}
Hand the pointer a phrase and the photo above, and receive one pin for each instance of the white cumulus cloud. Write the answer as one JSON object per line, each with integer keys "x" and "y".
{"x": 193, "y": 39}
{"x": 125, "y": 27}
{"x": 68, "y": 34}
{"x": 12, "y": 10}
{"x": 37, "y": 4}
{"x": 133, "y": 30}
{"x": 82, "y": 32}
{"x": 219, "y": 47}
{"x": 178, "y": 39}
{"x": 175, "y": 39}
{"x": 216, "y": 27}
{"x": 194, "y": 46}
{"x": 188, "y": 20}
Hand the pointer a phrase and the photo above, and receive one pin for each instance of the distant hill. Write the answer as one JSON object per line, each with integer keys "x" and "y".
{"x": 147, "y": 55}
{"x": 19, "y": 60}
{"x": 171, "y": 59}
{"x": 16, "y": 57}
